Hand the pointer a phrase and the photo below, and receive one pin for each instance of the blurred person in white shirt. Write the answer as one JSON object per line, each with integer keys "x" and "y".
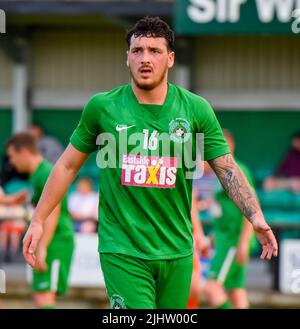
{"x": 83, "y": 206}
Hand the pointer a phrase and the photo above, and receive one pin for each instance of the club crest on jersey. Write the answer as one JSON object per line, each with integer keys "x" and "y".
{"x": 179, "y": 130}
{"x": 117, "y": 302}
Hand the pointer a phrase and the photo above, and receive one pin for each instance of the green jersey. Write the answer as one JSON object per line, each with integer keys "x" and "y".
{"x": 145, "y": 196}
{"x": 64, "y": 228}
{"x": 231, "y": 220}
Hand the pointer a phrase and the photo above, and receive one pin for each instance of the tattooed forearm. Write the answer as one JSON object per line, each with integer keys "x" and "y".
{"x": 236, "y": 185}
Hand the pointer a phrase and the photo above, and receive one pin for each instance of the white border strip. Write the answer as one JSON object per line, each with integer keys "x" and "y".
{"x": 55, "y": 274}
{"x": 67, "y": 99}
{"x": 220, "y": 100}
{"x": 226, "y": 265}
{"x": 253, "y": 100}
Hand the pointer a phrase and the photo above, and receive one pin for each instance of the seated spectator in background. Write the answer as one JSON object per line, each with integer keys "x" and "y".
{"x": 83, "y": 206}
{"x": 12, "y": 223}
{"x": 287, "y": 175}
{"x": 50, "y": 148}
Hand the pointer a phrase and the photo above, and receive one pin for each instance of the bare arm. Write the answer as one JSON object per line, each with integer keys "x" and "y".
{"x": 5, "y": 199}
{"x": 236, "y": 185}
{"x": 49, "y": 227}
{"x": 247, "y": 232}
{"x": 58, "y": 183}
{"x": 199, "y": 237}
{"x": 238, "y": 189}
{"x": 48, "y": 233}
{"x": 197, "y": 227}
{"x": 13, "y": 199}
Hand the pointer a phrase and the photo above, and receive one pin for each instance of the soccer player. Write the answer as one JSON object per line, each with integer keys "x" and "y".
{"x": 56, "y": 243}
{"x": 145, "y": 229}
{"x": 232, "y": 234}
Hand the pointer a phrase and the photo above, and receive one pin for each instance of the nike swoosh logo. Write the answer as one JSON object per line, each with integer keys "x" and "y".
{"x": 120, "y": 128}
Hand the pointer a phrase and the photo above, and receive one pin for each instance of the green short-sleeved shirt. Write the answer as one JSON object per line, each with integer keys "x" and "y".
{"x": 38, "y": 180}
{"x": 231, "y": 221}
{"x": 145, "y": 201}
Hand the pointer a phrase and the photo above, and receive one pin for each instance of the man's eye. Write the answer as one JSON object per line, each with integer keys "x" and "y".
{"x": 136, "y": 50}
{"x": 154, "y": 50}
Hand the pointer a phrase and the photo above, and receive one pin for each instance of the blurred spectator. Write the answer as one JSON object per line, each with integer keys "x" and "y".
{"x": 83, "y": 206}
{"x": 287, "y": 175}
{"x": 50, "y": 148}
{"x": 12, "y": 224}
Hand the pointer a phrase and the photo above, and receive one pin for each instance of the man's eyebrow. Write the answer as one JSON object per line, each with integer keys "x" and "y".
{"x": 149, "y": 47}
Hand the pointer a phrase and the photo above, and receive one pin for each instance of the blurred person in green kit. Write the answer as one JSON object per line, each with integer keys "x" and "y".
{"x": 232, "y": 235}
{"x": 55, "y": 248}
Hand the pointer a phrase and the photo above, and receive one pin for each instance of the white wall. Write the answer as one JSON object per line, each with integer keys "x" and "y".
{"x": 249, "y": 71}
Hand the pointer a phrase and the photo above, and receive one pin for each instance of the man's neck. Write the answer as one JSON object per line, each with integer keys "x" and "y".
{"x": 34, "y": 163}
{"x": 156, "y": 96}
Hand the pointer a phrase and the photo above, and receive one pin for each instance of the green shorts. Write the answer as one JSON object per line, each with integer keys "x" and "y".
{"x": 235, "y": 276}
{"x": 135, "y": 283}
{"x": 59, "y": 258}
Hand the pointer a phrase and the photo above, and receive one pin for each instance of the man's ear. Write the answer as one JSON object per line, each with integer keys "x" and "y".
{"x": 171, "y": 59}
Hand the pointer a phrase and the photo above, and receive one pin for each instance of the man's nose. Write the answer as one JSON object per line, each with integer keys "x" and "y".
{"x": 145, "y": 59}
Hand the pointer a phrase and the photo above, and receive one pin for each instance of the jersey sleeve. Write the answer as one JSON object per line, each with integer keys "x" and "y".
{"x": 38, "y": 184}
{"x": 85, "y": 134}
{"x": 37, "y": 192}
{"x": 215, "y": 144}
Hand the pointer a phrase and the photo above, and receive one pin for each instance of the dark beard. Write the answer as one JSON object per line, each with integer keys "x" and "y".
{"x": 147, "y": 86}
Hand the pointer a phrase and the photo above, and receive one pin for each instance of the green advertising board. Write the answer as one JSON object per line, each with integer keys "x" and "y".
{"x": 200, "y": 17}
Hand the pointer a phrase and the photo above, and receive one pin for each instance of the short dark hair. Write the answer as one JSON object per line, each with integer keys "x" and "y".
{"x": 23, "y": 140}
{"x": 152, "y": 27}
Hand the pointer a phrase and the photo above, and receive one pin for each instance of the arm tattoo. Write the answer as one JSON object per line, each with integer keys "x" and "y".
{"x": 236, "y": 185}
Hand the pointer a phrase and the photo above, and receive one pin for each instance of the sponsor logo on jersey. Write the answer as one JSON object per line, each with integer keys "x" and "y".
{"x": 117, "y": 302}
{"x": 149, "y": 171}
{"x": 179, "y": 130}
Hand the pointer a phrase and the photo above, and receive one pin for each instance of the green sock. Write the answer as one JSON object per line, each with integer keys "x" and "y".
{"x": 225, "y": 305}
{"x": 49, "y": 307}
